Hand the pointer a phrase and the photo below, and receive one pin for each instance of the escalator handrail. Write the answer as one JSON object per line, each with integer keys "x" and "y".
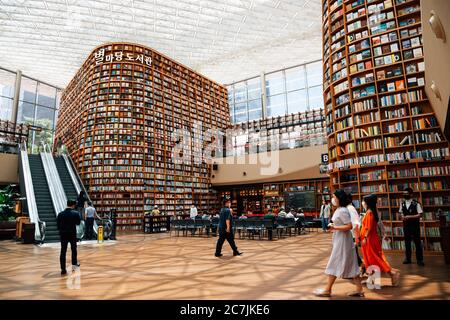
{"x": 29, "y": 192}
{"x": 57, "y": 194}
{"x": 78, "y": 183}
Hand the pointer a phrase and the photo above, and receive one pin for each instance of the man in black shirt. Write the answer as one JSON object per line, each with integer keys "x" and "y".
{"x": 67, "y": 222}
{"x": 411, "y": 212}
{"x": 226, "y": 230}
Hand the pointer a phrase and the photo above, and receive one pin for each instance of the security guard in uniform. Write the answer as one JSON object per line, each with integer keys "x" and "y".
{"x": 411, "y": 212}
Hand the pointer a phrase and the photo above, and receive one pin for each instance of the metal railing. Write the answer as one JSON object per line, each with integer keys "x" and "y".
{"x": 57, "y": 193}
{"x": 39, "y": 233}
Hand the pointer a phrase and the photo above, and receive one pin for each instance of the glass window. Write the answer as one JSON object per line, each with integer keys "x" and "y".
{"x": 46, "y": 95}
{"x": 314, "y": 74}
{"x": 240, "y": 107}
{"x": 230, "y": 95}
{"x": 255, "y": 105}
{"x": 295, "y": 78}
{"x": 254, "y": 88}
{"x": 241, "y": 117}
{"x": 297, "y": 101}
{"x": 7, "y": 83}
{"x": 28, "y": 90}
{"x": 25, "y": 113}
{"x": 255, "y": 109}
{"x": 44, "y": 117}
{"x": 276, "y": 105}
{"x": 240, "y": 92}
{"x": 44, "y": 136}
{"x": 5, "y": 108}
{"x": 315, "y": 97}
{"x": 254, "y": 114}
{"x": 274, "y": 83}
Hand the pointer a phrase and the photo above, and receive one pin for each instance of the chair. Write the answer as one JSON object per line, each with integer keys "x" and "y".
{"x": 190, "y": 225}
{"x": 174, "y": 226}
{"x": 281, "y": 226}
{"x": 207, "y": 226}
{"x": 198, "y": 225}
{"x": 290, "y": 223}
{"x": 239, "y": 226}
{"x": 259, "y": 226}
{"x": 181, "y": 226}
{"x": 268, "y": 226}
{"x": 251, "y": 227}
{"x": 214, "y": 225}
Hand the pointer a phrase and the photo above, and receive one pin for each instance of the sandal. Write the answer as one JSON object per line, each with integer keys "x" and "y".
{"x": 395, "y": 279}
{"x": 322, "y": 293}
{"x": 356, "y": 294}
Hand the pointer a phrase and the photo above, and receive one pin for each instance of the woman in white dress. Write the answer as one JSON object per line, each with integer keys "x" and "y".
{"x": 343, "y": 262}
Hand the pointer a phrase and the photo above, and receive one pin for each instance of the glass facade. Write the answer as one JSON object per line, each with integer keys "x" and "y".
{"x": 38, "y": 106}
{"x": 292, "y": 90}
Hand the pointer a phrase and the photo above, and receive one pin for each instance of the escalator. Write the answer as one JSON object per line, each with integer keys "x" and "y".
{"x": 66, "y": 180}
{"x": 43, "y": 198}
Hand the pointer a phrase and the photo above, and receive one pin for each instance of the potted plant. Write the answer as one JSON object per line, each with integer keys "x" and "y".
{"x": 7, "y": 215}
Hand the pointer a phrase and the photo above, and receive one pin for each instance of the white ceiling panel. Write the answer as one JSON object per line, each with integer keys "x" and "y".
{"x": 226, "y": 40}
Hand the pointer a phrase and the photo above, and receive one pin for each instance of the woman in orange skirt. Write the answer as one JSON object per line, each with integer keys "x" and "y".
{"x": 370, "y": 241}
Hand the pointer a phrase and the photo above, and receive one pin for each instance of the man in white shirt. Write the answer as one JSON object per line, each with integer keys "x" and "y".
{"x": 282, "y": 213}
{"x": 89, "y": 215}
{"x": 410, "y": 213}
{"x": 325, "y": 210}
{"x": 193, "y": 212}
{"x": 290, "y": 214}
{"x": 356, "y": 225}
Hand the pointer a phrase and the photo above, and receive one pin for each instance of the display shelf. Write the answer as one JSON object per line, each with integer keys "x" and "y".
{"x": 382, "y": 111}
{"x": 116, "y": 119}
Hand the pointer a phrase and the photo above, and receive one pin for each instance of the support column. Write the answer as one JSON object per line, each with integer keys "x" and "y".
{"x": 263, "y": 95}
{"x": 15, "y": 106}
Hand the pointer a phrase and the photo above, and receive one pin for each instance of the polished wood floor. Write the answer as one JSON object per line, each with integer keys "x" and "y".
{"x": 163, "y": 267}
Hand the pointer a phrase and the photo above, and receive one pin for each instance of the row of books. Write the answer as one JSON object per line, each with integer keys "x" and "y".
{"x": 385, "y": 38}
{"x": 396, "y": 127}
{"x": 392, "y": 86}
{"x": 436, "y": 200}
{"x": 364, "y": 44}
{"x": 367, "y": 118}
{"x": 364, "y": 92}
{"x": 396, "y": 156}
{"x": 387, "y": 59}
{"x": 434, "y": 171}
{"x": 435, "y": 185}
{"x": 398, "y": 187}
{"x": 372, "y": 175}
{"x": 369, "y": 145}
{"x": 373, "y": 188}
{"x": 386, "y": 74}
{"x": 368, "y": 132}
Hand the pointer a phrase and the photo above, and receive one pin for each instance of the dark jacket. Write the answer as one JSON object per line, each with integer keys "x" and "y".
{"x": 68, "y": 220}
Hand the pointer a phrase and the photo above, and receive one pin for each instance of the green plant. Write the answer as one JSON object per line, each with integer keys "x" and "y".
{"x": 7, "y": 202}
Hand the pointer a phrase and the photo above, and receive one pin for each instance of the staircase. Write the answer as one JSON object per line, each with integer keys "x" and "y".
{"x": 66, "y": 180}
{"x": 43, "y": 199}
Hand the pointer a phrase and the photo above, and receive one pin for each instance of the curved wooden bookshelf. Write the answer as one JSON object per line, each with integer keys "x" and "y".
{"x": 382, "y": 132}
{"x": 116, "y": 119}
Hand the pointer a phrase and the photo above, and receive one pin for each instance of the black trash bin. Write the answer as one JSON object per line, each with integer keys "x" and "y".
{"x": 28, "y": 233}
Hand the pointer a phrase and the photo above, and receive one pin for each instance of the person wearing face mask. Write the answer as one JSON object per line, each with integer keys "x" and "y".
{"x": 370, "y": 241}
{"x": 343, "y": 262}
{"x": 410, "y": 213}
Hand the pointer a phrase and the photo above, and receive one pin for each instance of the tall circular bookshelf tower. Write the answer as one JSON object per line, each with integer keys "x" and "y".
{"x": 117, "y": 117}
{"x": 382, "y": 132}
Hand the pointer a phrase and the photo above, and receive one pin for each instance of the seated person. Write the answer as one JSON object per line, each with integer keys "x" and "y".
{"x": 291, "y": 214}
{"x": 206, "y": 216}
{"x": 282, "y": 213}
{"x": 243, "y": 217}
